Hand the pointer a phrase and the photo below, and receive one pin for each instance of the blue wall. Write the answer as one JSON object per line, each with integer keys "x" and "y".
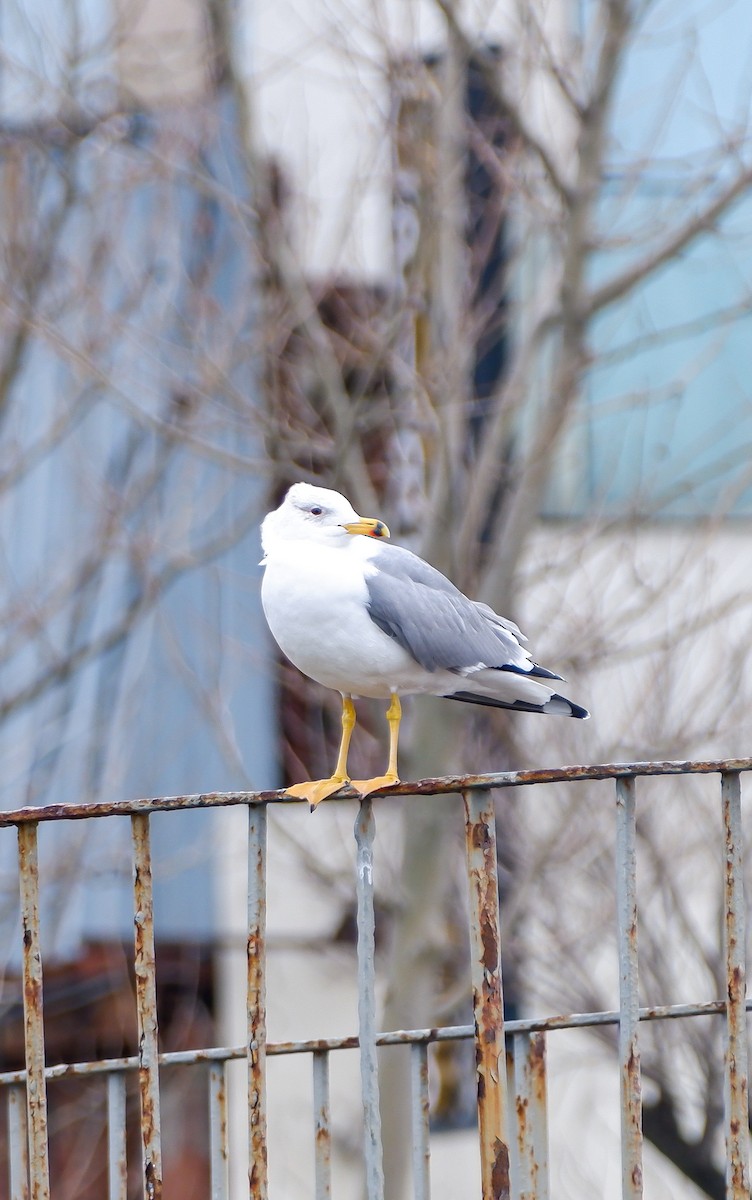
{"x": 147, "y": 329}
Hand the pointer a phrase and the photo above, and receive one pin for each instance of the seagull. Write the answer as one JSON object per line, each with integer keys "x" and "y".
{"x": 368, "y": 618}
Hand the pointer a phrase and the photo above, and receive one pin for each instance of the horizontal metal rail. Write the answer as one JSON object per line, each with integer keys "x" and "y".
{"x": 446, "y": 785}
{"x": 394, "y": 1037}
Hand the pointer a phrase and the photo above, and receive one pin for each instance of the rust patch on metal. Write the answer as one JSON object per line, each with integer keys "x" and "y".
{"x": 736, "y": 984}
{"x": 500, "y": 1187}
{"x": 521, "y": 1106}
{"x": 153, "y": 1182}
{"x": 258, "y": 1171}
{"x": 221, "y": 1095}
{"x": 489, "y": 939}
{"x": 537, "y": 1060}
{"x": 480, "y": 837}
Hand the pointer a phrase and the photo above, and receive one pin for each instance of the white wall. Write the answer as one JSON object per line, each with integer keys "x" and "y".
{"x": 320, "y": 82}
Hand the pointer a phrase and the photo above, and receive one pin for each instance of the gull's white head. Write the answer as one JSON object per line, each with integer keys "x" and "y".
{"x": 316, "y": 514}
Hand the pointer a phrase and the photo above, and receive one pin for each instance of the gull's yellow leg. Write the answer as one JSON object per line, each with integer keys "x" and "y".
{"x": 393, "y": 716}
{"x": 348, "y": 724}
{"x": 316, "y": 790}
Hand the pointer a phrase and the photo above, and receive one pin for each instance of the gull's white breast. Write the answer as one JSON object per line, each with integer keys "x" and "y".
{"x": 315, "y": 600}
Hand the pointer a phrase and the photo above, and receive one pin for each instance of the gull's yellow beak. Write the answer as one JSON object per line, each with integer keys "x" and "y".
{"x": 370, "y": 526}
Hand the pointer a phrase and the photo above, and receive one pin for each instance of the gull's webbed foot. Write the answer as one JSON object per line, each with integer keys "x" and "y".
{"x": 366, "y": 786}
{"x": 316, "y": 790}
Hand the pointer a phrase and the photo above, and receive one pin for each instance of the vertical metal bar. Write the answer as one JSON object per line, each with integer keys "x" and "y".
{"x": 488, "y": 1002}
{"x": 218, "y": 1139}
{"x": 514, "y": 1153}
{"x": 117, "y": 1157}
{"x": 18, "y": 1145}
{"x": 146, "y": 1004}
{"x": 36, "y": 1092}
{"x": 369, "y": 1078}
{"x": 532, "y": 1116}
{"x": 629, "y": 1004}
{"x": 420, "y": 1115}
{"x": 736, "y": 1062}
{"x": 322, "y": 1125}
{"x": 257, "y": 1167}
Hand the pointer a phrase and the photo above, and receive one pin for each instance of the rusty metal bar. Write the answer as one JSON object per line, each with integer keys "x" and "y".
{"x": 531, "y": 1106}
{"x": 420, "y": 1121}
{"x": 736, "y": 1085}
{"x": 18, "y": 1145}
{"x": 146, "y": 1005}
{"x": 488, "y": 1002}
{"x": 117, "y": 1154}
{"x": 256, "y": 1048}
{"x": 512, "y": 1130}
{"x": 369, "y": 1078}
{"x": 629, "y": 1006}
{"x": 218, "y": 1135}
{"x": 36, "y": 1091}
{"x": 446, "y": 785}
{"x": 322, "y": 1126}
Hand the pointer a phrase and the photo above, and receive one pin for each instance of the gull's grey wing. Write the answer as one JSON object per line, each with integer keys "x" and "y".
{"x": 421, "y": 609}
{"x": 495, "y": 619}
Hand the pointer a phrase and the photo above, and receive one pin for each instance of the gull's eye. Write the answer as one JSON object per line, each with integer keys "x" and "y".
{"x": 316, "y": 511}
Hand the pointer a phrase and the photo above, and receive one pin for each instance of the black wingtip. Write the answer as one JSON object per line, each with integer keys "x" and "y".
{"x": 556, "y": 705}
{"x": 543, "y": 673}
{"x": 562, "y": 706}
{"x": 536, "y": 671}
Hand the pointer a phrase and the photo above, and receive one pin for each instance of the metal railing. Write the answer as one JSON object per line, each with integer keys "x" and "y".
{"x": 512, "y": 1117}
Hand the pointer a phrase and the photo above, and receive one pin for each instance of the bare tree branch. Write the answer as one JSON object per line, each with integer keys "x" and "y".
{"x": 677, "y": 240}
